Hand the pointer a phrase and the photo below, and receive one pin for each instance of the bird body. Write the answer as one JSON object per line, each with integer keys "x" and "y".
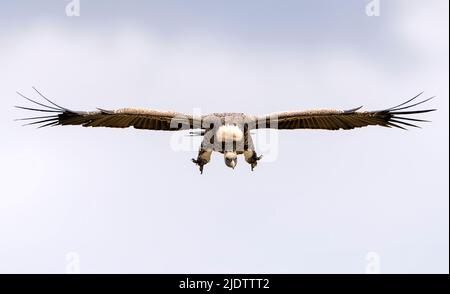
{"x": 229, "y": 133}
{"x": 226, "y": 133}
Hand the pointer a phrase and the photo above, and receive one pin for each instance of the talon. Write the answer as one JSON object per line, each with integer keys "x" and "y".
{"x": 199, "y": 163}
{"x": 254, "y": 161}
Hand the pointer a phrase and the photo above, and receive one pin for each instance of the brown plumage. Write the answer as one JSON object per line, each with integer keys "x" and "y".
{"x": 397, "y": 116}
{"x": 346, "y": 119}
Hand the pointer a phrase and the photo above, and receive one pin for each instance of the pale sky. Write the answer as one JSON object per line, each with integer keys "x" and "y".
{"x": 123, "y": 201}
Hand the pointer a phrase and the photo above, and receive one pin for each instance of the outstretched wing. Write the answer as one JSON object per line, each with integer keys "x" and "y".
{"x": 121, "y": 118}
{"x": 397, "y": 116}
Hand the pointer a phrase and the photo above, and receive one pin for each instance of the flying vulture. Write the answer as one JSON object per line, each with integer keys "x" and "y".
{"x": 227, "y": 133}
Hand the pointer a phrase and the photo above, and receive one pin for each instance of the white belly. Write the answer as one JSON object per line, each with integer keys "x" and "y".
{"x": 229, "y": 133}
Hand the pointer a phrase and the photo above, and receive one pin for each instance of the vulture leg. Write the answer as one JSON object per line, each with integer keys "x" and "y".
{"x": 252, "y": 158}
{"x": 204, "y": 156}
{"x": 249, "y": 151}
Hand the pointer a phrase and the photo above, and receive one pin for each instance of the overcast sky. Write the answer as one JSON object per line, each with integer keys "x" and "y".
{"x": 123, "y": 201}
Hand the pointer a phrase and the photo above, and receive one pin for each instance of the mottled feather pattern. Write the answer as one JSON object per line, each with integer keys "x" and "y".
{"x": 138, "y": 118}
{"x": 346, "y": 120}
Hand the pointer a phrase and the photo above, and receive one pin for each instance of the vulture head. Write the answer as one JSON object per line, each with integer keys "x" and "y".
{"x": 230, "y": 159}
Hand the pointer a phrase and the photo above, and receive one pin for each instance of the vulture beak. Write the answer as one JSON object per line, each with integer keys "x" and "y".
{"x": 234, "y": 163}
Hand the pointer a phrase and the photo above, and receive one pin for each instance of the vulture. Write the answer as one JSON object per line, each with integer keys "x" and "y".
{"x": 227, "y": 133}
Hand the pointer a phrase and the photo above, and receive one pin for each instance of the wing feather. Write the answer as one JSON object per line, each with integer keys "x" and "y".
{"x": 397, "y": 116}
{"x": 348, "y": 119}
{"x": 122, "y": 118}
